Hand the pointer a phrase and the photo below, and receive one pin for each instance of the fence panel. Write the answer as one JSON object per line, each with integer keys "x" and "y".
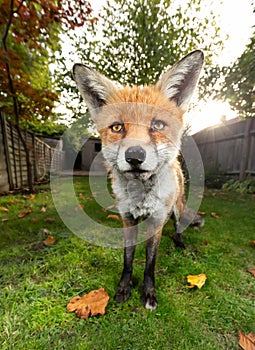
{"x": 228, "y": 148}
{"x": 13, "y": 165}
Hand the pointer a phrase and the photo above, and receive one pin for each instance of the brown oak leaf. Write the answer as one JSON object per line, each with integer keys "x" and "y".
{"x": 91, "y": 304}
{"x": 252, "y": 271}
{"x": 24, "y": 213}
{"x": 246, "y": 341}
{"x": 113, "y": 216}
{"x": 50, "y": 240}
{"x": 215, "y": 216}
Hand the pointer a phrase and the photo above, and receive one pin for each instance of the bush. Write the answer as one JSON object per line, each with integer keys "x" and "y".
{"x": 246, "y": 186}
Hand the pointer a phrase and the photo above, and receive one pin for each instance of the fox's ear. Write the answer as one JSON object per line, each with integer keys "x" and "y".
{"x": 93, "y": 86}
{"x": 179, "y": 82}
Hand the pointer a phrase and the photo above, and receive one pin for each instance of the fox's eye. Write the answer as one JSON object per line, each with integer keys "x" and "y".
{"x": 158, "y": 125}
{"x": 117, "y": 127}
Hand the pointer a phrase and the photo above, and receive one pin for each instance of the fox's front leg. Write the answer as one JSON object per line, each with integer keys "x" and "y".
{"x": 149, "y": 297}
{"x": 130, "y": 236}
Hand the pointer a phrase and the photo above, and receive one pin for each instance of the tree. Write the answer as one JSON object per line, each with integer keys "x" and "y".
{"x": 28, "y": 28}
{"x": 239, "y": 82}
{"x": 134, "y": 40}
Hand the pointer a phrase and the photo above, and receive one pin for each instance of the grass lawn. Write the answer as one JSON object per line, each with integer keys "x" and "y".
{"x": 38, "y": 281}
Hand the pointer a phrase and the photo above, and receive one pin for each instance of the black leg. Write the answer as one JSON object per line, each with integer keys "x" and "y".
{"x": 178, "y": 236}
{"x": 149, "y": 297}
{"x": 130, "y": 236}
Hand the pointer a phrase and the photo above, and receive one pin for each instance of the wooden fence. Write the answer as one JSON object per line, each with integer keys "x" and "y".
{"x": 13, "y": 167}
{"x": 228, "y": 148}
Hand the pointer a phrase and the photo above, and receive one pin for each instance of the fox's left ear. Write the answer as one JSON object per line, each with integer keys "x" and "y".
{"x": 179, "y": 82}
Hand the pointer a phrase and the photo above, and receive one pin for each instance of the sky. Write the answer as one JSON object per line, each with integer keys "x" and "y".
{"x": 235, "y": 20}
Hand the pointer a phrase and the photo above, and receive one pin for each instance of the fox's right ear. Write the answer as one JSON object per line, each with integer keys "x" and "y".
{"x": 93, "y": 86}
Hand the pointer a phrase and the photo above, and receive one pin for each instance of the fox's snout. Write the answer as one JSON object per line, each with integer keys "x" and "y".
{"x": 135, "y": 155}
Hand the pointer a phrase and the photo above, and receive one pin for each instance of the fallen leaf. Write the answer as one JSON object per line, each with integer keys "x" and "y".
{"x": 31, "y": 196}
{"x": 82, "y": 197}
{"x": 252, "y": 242}
{"x": 4, "y": 219}
{"x": 110, "y": 207}
{"x": 44, "y": 231}
{"x": 196, "y": 280}
{"x": 43, "y": 209}
{"x": 114, "y": 217}
{"x": 34, "y": 220}
{"x": 50, "y": 240}
{"x": 24, "y": 213}
{"x": 13, "y": 201}
{"x": 49, "y": 219}
{"x": 6, "y": 210}
{"x": 201, "y": 212}
{"x": 93, "y": 303}
{"x": 79, "y": 207}
{"x": 215, "y": 216}
{"x": 246, "y": 341}
{"x": 252, "y": 271}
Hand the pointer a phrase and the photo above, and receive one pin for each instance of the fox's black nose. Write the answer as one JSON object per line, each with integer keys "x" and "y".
{"x": 135, "y": 155}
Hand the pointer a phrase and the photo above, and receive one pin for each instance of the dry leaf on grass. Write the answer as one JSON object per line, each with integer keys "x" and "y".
{"x": 31, "y": 196}
{"x": 50, "y": 240}
{"x": 201, "y": 212}
{"x": 246, "y": 341}
{"x": 79, "y": 207}
{"x": 252, "y": 242}
{"x": 24, "y": 213}
{"x": 215, "y": 216}
{"x": 113, "y": 216}
{"x": 49, "y": 219}
{"x": 6, "y": 210}
{"x": 93, "y": 303}
{"x": 252, "y": 271}
{"x": 196, "y": 280}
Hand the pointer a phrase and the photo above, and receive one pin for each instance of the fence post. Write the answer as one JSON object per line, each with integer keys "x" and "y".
{"x": 246, "y": 149}
{"x": 6, "y": 151}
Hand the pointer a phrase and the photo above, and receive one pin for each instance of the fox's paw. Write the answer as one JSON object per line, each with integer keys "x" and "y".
{"x": 179, "y": 243}
{"x": 150, "y": 300}
{"x": 122, "y": 293}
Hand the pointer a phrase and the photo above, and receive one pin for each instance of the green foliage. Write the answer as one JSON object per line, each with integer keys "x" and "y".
{"x": 135, "y": 40}
{"x": 238, "y": 87}
{"x": 235, "y": 84}
{"x": 246, "y": 186}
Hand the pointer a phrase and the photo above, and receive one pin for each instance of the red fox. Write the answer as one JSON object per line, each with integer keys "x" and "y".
{"x": 141, "y": 130}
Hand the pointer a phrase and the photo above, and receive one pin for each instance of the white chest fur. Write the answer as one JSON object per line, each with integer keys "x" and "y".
{"x": 148, "y": 197}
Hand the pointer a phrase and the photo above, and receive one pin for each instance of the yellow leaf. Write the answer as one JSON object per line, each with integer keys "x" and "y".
{"x": 196, "y": 280}
{"x": 6, "y": 210}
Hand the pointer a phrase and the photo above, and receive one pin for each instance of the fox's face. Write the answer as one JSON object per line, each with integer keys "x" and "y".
{"x": 140, "y": 131}
{"x": 140, "y": 127}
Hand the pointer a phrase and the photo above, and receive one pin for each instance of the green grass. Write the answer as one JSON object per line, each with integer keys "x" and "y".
{"x": 37, "y": 282}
